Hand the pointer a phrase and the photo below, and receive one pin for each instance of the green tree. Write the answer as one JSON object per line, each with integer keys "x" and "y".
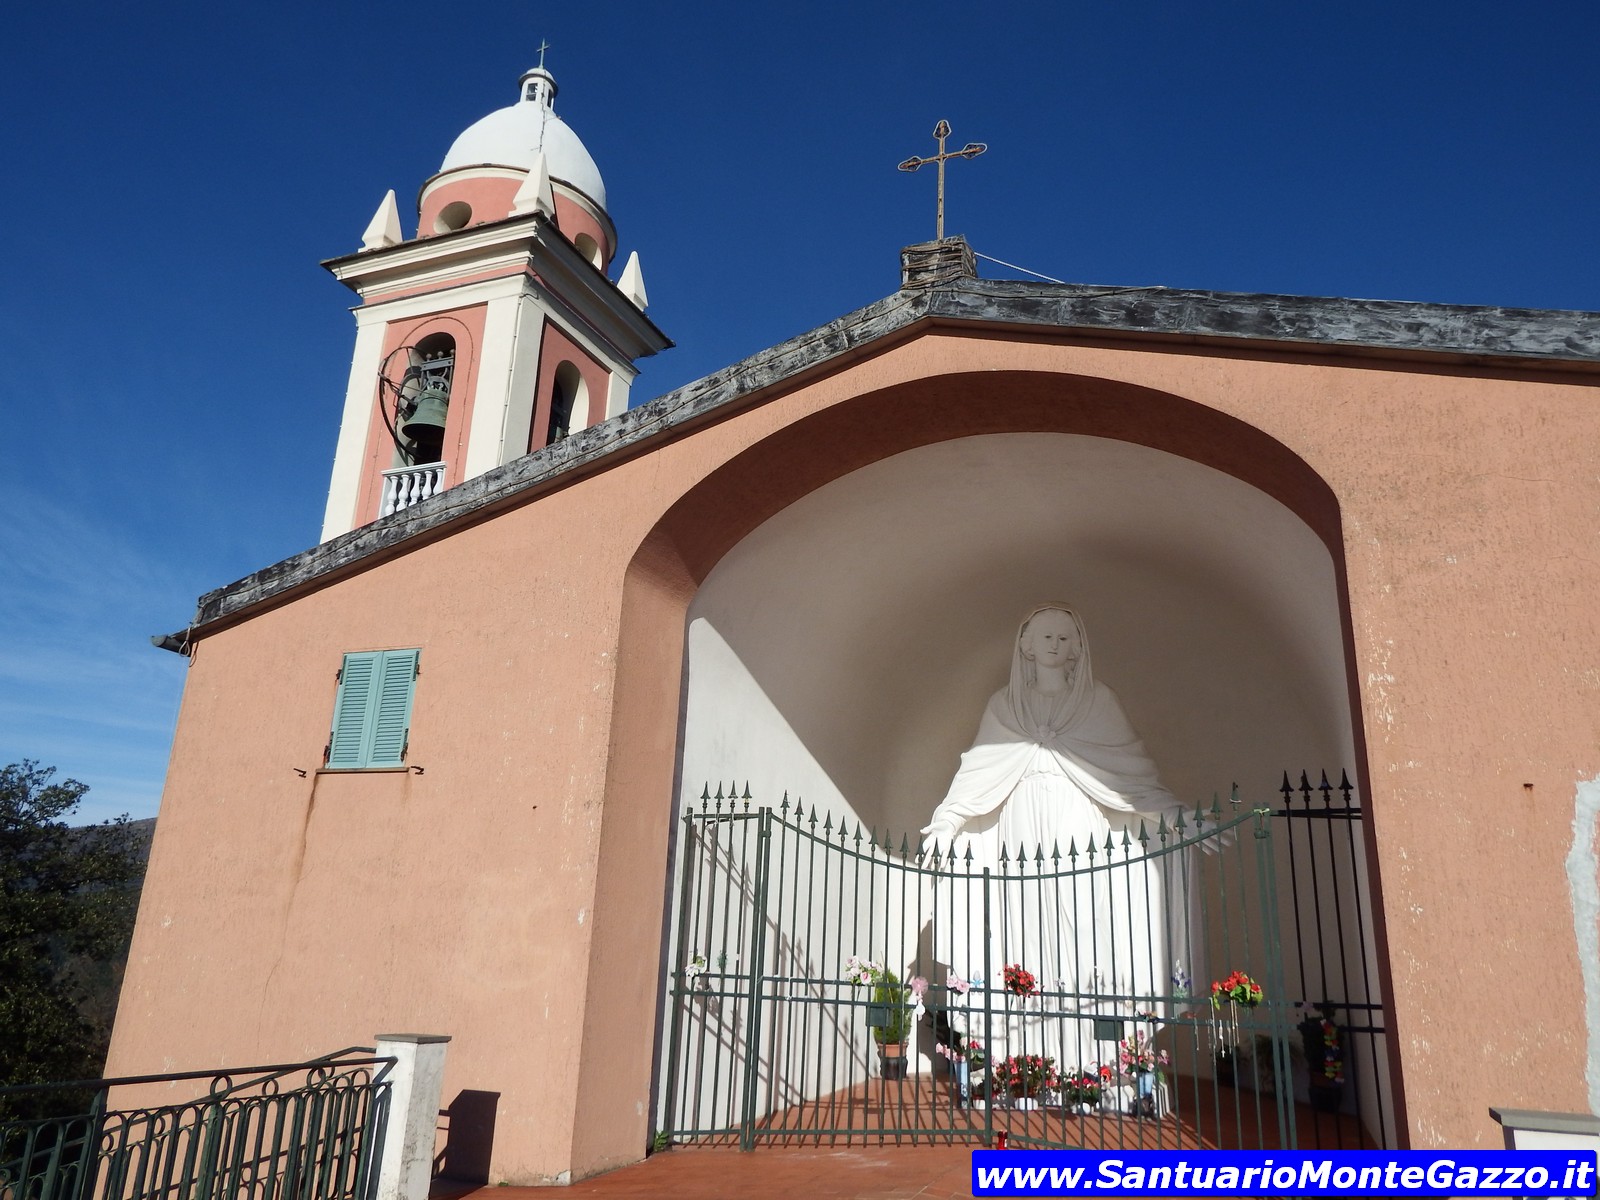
{"x": 67, "y": 901}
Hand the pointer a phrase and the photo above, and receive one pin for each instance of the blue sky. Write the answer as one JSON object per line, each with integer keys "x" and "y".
{"x": 176, "y": 172}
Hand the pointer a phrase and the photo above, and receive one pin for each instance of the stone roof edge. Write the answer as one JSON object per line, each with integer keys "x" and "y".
{"x": 1385, "y": 326}
{"x": 561, "y": 463}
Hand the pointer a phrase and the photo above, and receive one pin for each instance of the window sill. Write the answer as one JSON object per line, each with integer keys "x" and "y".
{"x": 363, "y": 770}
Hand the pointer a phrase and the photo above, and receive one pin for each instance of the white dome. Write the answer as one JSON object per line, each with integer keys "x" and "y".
{"x": 516, "y": 136}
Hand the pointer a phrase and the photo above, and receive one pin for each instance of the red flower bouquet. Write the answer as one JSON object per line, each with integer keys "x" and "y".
{"x": 1238, "y": 988}
{"x": 1027, "y": 1075}
{"x": 1019, "y": 982}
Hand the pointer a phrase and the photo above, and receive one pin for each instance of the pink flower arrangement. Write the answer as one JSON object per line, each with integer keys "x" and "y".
{"x": 972, "y": 1053}
{"x": 1139, "y": 1053}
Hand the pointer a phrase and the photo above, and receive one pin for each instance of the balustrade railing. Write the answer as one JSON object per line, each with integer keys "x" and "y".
{"x": 405, "y": 486}
{"x": 298, "y": 1131}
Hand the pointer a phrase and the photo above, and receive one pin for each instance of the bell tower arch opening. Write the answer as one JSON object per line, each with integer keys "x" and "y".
{"x": 569, "y": 403}
{"x": 424, "y": 399}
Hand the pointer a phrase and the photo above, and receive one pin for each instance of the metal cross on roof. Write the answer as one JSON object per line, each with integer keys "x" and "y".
{"x": 543, "y": 46}
{"x": 970, "y": 150}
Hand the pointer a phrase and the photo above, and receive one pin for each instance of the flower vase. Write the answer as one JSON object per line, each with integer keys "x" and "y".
{"x": 1144, "y": 1090}
{"x": 963, "y": 1082}
{"x": 894, "y": 1060}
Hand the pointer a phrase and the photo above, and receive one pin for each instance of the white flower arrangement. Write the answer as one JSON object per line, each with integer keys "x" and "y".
{"x": 696, "y": 968}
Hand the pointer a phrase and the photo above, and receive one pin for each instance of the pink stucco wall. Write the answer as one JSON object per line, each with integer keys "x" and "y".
{"x": 490, "y": 198}
{"x": 574, "y": 219}
{"x": 511, "y": 893}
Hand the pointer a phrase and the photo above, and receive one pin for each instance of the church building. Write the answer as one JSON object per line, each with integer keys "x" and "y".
{"x": 432, "y": 773}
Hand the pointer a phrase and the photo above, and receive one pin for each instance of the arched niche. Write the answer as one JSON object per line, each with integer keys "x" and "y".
{"x": 839, "y": 598}
{"x": 844, "y": 649}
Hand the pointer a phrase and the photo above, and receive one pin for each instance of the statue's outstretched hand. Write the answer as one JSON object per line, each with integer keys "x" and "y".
{"x": 1212, "y": 842}
{"x": 939, "y": 835}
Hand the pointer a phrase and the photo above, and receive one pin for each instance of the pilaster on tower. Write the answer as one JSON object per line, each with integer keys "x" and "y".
{"x": 495, "y": 330}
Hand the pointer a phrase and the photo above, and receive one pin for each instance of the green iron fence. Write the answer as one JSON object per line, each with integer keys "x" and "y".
{"x": 770, "y": 1039}
{"x": 295, "y": 1131}
{"x": 1332, "y": 962}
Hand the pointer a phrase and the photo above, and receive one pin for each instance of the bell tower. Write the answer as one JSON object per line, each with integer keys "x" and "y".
{"x": 495, "y": 330}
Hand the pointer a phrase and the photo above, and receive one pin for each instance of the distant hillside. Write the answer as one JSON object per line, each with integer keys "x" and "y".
{"x": 98, "y": 982}
{"x": 144, "y": 830}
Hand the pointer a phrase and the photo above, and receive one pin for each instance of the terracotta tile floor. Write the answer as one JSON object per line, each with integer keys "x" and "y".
{"x": 874, "y": 1171}
{"x": 861, "y": 1173}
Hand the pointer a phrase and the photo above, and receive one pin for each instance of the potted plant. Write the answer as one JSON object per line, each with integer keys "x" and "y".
{"x": 892, "y": 997}
{"x": 1082, "y": 1090}
{"x": 891, "y": 1012}
{"x": 1025, "y": 1079}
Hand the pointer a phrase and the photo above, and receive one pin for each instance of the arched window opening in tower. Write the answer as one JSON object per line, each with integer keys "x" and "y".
{"x": 453, "y": 216}
{"x": 588, "y": 247}
{"x": 425, "y": 398}
{"x": 569, "y": 403}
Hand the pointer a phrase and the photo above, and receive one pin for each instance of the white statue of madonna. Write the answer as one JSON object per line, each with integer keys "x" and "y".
{"x": 1056, "y": 767}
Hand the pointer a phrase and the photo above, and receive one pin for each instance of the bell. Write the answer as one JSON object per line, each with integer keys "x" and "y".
{"x": 427, "y": 418}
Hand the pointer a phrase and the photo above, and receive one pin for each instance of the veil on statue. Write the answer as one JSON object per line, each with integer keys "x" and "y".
{"x": 1052, "y": 779}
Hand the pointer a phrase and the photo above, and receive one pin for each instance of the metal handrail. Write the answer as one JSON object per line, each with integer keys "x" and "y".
{"x": 268, "y": 1071}
{"x": 319, "y": 1138}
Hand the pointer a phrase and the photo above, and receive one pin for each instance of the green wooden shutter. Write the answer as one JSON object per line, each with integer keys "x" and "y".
{"x": 392, "y": 708}
{"x": 350, "y": 709}
{"x": 372, "y": 713}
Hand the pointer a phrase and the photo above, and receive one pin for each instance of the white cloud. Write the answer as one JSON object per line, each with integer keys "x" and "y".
{"x": 81, "y": 688}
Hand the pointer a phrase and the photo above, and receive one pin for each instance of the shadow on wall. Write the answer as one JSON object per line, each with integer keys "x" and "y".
{"x": 469, "y": 1137}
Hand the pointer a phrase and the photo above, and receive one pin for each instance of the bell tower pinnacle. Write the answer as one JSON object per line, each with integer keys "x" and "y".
{"x": 495, "y": 330}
